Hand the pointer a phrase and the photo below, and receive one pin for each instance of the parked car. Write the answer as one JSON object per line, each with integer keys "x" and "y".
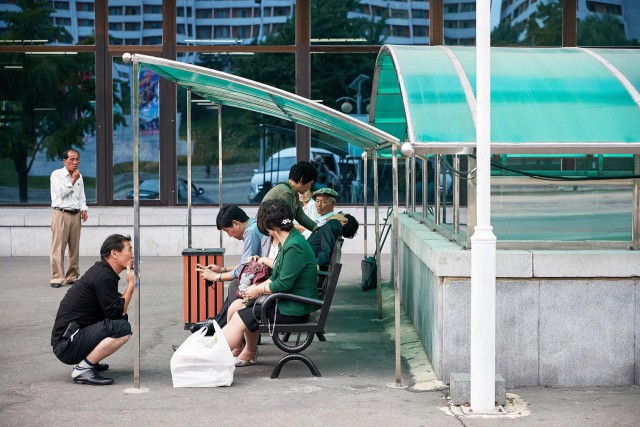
{"x": 150, "y": 190}
{"x": 276, "y": 170}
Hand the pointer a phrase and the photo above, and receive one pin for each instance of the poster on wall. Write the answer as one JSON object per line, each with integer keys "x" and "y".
{"x": 149, "y": 112}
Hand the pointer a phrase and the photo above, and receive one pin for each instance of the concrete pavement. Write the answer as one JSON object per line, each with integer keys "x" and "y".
{"x": 357, "y": 364}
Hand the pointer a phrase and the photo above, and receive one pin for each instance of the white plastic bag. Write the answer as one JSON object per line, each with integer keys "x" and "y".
{"x": 203, "y": 361}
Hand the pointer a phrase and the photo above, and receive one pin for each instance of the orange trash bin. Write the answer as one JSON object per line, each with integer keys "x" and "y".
{"x": 201, "y": 300}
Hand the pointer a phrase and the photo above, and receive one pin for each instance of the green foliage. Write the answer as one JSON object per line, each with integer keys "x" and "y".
{"x": 33, "y": 22}
{"x": 48, "y": 106}
{"x": 331, "y": 75}
{"x": 544, "y": 28}
{"x": 604, "y": 30}
{"x": 505, "y": 34}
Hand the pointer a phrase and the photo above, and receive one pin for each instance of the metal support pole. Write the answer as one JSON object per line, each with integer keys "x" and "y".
{"x": 471, "y": 199}
{"x": 396, "y": 266}
{"x": 189, "y": 167}
{"x": 376, "y": 209}
{"x": 407, "y": 179}
{"x": 437, "y": 217}
{"x": 136, "y": 224}
{"x": 456, "y": 195}
{"x": 483, "y": 241}
{"x": 413, "y": 184}
{"x": 364, "y": 175}
{"x": 425, "y": 165}
{"x": 220, "y": 158}
{"x": 636, "y": 203}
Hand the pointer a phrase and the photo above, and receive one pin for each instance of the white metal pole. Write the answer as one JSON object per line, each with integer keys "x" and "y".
{"x": 483, "y": 241}
{"x": 396, "y": 266}
{"x": 136, "y": 224}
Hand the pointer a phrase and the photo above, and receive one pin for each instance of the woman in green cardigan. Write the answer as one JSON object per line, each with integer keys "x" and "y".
{"x": 294, "y": 271}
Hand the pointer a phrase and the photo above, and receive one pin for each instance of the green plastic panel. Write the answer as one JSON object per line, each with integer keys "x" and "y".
{"x": 538, "y": 96}
{"x": 555, "y": 95}
{"x": 229, "y": 90}
{"x": 431, "y": 91}
{"x": 627, "y": 61}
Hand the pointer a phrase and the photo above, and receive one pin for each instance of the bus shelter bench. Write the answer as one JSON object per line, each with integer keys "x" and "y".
{"x": 280, "y": 333}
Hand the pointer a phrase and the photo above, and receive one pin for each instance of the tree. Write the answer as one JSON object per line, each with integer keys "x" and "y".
{"x": 331, "y": 73}
{"x": 506, "y": 34}
{"x": 544, "y": 28}
{"x": 49, "y": 106}
{"x": 603, "y": 30}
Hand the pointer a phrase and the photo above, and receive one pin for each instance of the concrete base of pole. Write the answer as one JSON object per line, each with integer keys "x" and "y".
{"x": 133, "y": 390}
{"x": 460, "y": 389}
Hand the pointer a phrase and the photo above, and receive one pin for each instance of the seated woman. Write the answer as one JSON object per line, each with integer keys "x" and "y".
{"x": 294, "y": 271}
{"x": 324, "y": 238}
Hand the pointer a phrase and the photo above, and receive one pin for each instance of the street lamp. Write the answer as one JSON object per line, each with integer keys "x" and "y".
{"x": 347, "y": 108}
{"x": 348, "y": 102}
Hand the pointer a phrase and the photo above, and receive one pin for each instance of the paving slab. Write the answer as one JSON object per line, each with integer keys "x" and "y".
{"x": 356, "y": 362}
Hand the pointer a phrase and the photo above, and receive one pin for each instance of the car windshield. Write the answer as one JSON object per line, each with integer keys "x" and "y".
{"x": 150, "y": 185}
{"x": 278, "y": 163}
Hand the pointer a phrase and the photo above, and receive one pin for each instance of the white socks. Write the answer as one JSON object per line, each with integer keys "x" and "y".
{"x": 81, "y": 367}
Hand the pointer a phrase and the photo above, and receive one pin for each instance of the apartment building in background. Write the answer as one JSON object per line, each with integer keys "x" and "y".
{"x": 135, "y": 22}
{"x": 626, "y": 11}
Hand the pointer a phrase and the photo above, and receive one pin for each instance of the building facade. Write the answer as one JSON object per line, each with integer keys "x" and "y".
{"x": 627, "y": 12}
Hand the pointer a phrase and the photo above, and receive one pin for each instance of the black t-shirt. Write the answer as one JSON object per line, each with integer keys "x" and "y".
{"x": 92, "y": 298}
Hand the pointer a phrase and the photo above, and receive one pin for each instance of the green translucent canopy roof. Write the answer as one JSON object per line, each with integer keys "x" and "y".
{"x": 227, "y": 89}
{"x": 543, "y": 100}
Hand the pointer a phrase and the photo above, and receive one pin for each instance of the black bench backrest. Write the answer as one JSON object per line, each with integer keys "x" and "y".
{"x": 323, "y": 276}
{"x": 330, "y": 290}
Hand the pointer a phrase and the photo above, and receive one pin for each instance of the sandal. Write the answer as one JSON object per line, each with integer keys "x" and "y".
{"x": 242, "y": 363}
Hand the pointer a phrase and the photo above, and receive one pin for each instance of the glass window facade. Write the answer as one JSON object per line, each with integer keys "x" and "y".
{"x": 252, "y": 39}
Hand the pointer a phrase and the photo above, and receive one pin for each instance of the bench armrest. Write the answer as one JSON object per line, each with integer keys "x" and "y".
{"x": 271, "y": 299}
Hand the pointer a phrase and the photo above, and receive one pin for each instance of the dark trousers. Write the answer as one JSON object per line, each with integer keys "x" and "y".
{"x": 83, "y": 343}
{"x": 221, "y": 317}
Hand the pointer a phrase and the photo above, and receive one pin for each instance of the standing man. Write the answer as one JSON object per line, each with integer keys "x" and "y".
{"x": 69, "y": 207}
{"x": 301, "y": 178}
{"x": 92, "y": 321}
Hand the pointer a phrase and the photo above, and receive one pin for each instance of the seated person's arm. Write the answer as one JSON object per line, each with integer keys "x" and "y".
{"x": 266, "y": 261}
{"x": 254, "y": 292}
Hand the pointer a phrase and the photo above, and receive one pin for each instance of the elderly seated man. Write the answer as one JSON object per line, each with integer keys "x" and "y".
{"x": 325, "y": 199}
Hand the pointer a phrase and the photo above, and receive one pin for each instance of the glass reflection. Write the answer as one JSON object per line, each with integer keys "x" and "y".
{"x": 135, "y": 22}
{"x": 47, "y": 23}
{"x": 47, "y": 105}
{"x": 256, "y": 149}
{"x": 232, "y": 23}
{"x": 149, "y": 132}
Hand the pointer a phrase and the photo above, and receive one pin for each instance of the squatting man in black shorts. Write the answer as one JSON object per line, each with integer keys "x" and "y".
{"x": 91, "y": 323}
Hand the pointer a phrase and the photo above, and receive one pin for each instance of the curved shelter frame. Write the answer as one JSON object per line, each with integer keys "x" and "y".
{"x": 545, "y": 102}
